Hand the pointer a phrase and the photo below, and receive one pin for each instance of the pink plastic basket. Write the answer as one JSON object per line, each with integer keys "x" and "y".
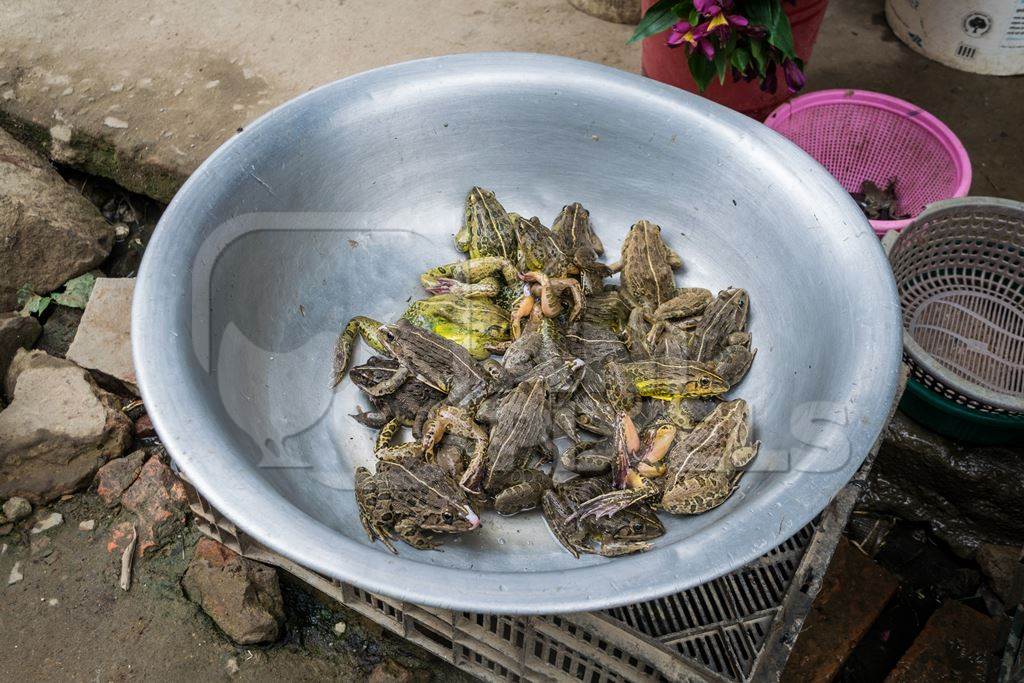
{"x": 860, "y": 135}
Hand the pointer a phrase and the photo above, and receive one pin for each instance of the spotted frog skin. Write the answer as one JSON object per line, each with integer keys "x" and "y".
{"x": 438, "y": 362}
{"x": 411, "y": 500}
{"x": 704, "y": 466}
{"x": 625, "y": 532}
{"x": 521, "y": 426}
{"x": 405, "y": 406}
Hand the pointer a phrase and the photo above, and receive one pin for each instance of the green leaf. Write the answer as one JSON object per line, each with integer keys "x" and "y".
{"x": 781, "y": 36}
{"x": 659, "y": 17}
{"x": 721, "y": 65}
{"x": 701, "y": 69}
{"x": 35, "y": 305}
{"x": 757, "y": 52}
{"x": 76, "y": 291}
{"x": 740, "y": 58}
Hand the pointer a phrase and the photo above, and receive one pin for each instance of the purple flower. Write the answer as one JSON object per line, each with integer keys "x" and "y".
{"x": 770, "y": 82}
{"x": 712, "y": 7}
{"x": 679, "y": 33}
{"x": 695, "y": 37}
{"x": 794, "y": 76}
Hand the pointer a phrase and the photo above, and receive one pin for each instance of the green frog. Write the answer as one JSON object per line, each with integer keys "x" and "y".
{"x": 626, "y": 532}
{"x": 574, "y": 230}
{"x": 488, "y": 237}
{"x": 521, "y": 425}
{"x": 411, "y": 500}
{"x": 648, "y": 286}
{"x": 665, "y": 379}
{"x": 478, "y": 325}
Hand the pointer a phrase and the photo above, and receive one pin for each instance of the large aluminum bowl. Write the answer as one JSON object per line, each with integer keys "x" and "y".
{"x": 332, "y": 204}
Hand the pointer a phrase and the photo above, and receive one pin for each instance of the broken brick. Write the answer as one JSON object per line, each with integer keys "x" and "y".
{"x": 854, "y": 592}
{"x": 956, "y": 645}
{"x": 114, "y": 478}
{"x": 241, "y": 595}
{"x": 157, "y": 497}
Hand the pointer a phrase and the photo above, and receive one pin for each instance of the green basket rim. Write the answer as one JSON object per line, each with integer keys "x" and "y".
{"x": 940, "y": 402}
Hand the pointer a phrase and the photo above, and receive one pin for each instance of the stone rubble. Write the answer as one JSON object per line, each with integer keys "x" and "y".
{"x": 16, "y": 332}
{"x": 50, "y": 233}
{"x": 17, "y": 508}
{"x": 58, "y": 430}
{"x": 103, "y": 340}
{"x": 157, "y": 497}
{"x": 965, "y": 496}
{"x": 1003, "y": 567}
{"x": 47, "y": 522}
{"x": 114, "y": 478}
{"x": 955, "y": 645}
{"x": 242, "y": 596}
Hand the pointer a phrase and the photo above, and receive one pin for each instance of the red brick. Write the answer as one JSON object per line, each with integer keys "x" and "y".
{"x": 955, "y": 645}
{"x": 158, "y": 500}
{"x": 853, "y": 593}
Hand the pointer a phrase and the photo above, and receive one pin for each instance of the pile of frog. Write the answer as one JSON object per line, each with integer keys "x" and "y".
{"x": 631, "y": 375}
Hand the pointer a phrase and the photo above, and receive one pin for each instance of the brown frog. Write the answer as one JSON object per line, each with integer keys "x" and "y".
{"x": 704, "y": 466}
{"x": 438, "y": 362}
{"x": 411, "y": 500}
{"x": 626, "y": 532}
{"x": 406, "y": 405}
{"x": 521, "y": 425}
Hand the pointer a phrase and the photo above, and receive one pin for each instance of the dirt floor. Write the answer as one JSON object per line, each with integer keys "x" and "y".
{"x": 68, "y": 619}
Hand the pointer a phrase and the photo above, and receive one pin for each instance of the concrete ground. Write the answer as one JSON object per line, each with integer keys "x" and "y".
{"x": 142, "y": 94}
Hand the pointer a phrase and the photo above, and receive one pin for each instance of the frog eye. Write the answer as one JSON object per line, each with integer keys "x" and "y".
{"x": 447, "y": 517}
{"x": 388, "y": 334}
{"x": 387, "y": 517}
{"x": 637, "y": 527}
{"x": 704, "y": 381}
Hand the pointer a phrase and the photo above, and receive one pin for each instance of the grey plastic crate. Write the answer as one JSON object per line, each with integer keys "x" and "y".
{"x": 739, "y": 627}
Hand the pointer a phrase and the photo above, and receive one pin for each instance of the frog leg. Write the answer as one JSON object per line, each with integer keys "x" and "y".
{"x": 556, "y": 514}
{"x": 652, "y": 453}
{"x": 389, "y": 385}
{"x": 460, "y": 423}
{"x": 366, "y": 500}
{"x": 620, "y": 548}
{"x": 608, "y": 504}
{"x": 635, "y": 334}
{"x": 741, "y": 457}
{"x": 698, "y": 493}
{"x": 522, "y": 307}
{"x": 524, "y": 491}
{"x": 358, "y": 326}
{"x": 475, "y": 277}
{"x": 370, "y": 418}
{"x": 626, "y": 442}
{"x": 387, "y": 432}
{"x": 410, "y": 532}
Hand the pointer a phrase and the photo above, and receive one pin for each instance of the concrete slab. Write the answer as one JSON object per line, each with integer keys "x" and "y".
{"x": 103, "y": 341}
{"x": 143, "y": 94}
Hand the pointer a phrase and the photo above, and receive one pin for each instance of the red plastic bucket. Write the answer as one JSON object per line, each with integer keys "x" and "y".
{"x": 668, "y": 65}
